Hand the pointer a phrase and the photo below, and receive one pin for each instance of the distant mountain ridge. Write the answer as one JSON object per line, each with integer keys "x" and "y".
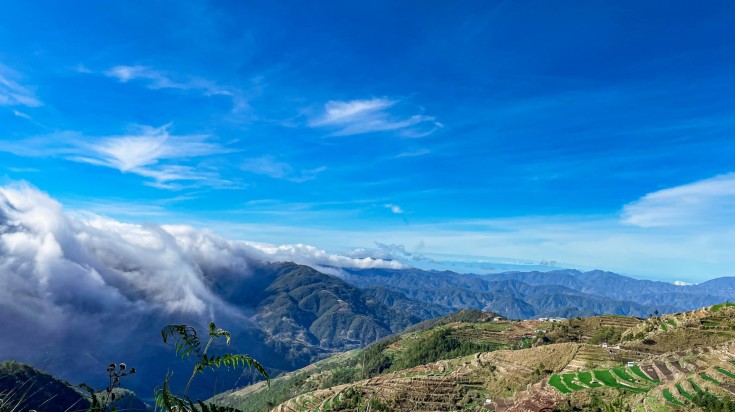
{"x": 559, "y": 293}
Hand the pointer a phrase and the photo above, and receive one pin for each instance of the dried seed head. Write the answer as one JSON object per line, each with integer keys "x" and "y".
{"x": 122, "y": 366}
{"x": 132, "y": 371}
{"x": 111, "y": 367}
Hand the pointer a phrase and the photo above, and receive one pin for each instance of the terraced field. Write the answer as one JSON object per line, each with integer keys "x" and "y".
{"x": 675, "y": 358}
{"x": 619, "y": 377}
{"x": 668, "y": 380}
{"x": 589, "y": 355}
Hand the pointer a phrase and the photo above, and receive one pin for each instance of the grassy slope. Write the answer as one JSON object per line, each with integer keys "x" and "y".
{"x": 503, "y": 373}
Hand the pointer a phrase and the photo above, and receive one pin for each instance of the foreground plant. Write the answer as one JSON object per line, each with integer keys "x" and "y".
{"x": 188, "y": 344}
{"x": 114, "y": 372}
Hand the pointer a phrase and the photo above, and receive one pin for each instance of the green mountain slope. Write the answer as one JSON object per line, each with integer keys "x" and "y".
{"x": 459, "y": 361}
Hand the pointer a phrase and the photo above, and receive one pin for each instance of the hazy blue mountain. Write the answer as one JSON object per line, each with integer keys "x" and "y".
{"x": 541, "y": 294}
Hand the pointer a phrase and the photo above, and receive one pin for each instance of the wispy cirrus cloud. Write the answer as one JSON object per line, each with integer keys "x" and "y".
{"x": 353, "y": 117}
{"x": 704, "y": 202}
{"x": 165, "y": 159}
{"x": 13, "y": 93}
{"x": 145, "y": 153}
{"x": 272, "y": 167}
{"x": 395, "y": 209}
{"x": 414, "y": 153}
{"x": 158, "y": 79}
{"x": 22, "y": 115}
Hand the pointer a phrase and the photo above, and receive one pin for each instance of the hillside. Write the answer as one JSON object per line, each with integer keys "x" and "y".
{"x": 24, "y": 388}
{"x": 654, "y": 364}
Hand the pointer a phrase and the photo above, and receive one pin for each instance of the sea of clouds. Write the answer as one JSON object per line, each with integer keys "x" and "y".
{"x": 77, "y": 282}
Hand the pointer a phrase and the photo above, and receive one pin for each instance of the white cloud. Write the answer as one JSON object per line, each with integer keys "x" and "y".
{"x": 156, "y": 79}
{"x": 373, "y": 115}
{"x": 151, "y": 152}
{"x": 414, "y": 153}
{"x": 13, "y": 93}
{"x": 270, "y": 166}
{"x": 321, "y": 259}
{"x": 393, "y": 208}
{"x": 682, "y": 283}
{"x": 67, "y": 277}
{"x": 22, "y": 115}
{"x": 154, "y": 265}
{"x": 705, "y": 202}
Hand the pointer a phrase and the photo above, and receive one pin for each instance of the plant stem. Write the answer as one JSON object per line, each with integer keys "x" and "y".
{"x": 193, "y": 374}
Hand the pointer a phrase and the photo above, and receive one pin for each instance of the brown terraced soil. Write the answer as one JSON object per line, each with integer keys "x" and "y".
{"x": 664, "y": 370}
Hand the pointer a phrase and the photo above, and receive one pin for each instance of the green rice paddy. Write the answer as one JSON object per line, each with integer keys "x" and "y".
{"x": 683, "y": 392}
{"x": 726, "y": 372}
{"x": 670, "y": 398}
{"x": 555, "y": 381}
{"x": 709, "y": 378}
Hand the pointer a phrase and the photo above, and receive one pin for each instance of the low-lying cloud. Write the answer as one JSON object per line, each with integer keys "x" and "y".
{"x": 69, "y": 277}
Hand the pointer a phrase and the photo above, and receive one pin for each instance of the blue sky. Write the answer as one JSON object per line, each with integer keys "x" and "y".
{"x": 594, "y": 134}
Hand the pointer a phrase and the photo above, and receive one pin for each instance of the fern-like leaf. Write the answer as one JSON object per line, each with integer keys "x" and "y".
{"x": 232, "y": 361}
{"x": 185, "y": 337}
{"x": 167, "y": 400}
{"x": 215, "y": 332}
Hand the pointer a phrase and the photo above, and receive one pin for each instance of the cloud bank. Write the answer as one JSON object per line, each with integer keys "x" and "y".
{"x": 67, "y": 277}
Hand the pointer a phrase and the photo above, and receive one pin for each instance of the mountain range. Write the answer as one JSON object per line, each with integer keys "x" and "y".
{"x": 298, "y": 315}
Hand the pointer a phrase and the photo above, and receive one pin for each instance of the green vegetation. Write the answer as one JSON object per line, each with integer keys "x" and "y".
{"x": 188, "y": 344}
{"x": 608, "y": 379}
{"x": 716, "y": 308}
{"x": 637, "y": 370}
{"x": 339, "y": 376}
{"x": 598, "y": 378}
{"x": 568, "y": 379}
{"x": 670, "y": 398}
{"x": 664, "y": 328}
{"x": 555, "y": 381}
{"x": 463, "y": 316}
{"x": 622, "y": 374}
{"x": 607, "y": 334}
{"x": 440, "y": 345}
{"x": 586, "y": 378}
{"x": 709, "y": 378}
{"x": 711, "y": 403}
{"x": 374, "y": 359}
{"x": 726, "y": 372}
{"x": 101, "y": 401}
{"x": 683, "y": 392}
{"x": 694, "y": 385}
{"x": 430, "y": 347}
{"x": 352, "y": 399}
{"x": 671, "y": 322}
